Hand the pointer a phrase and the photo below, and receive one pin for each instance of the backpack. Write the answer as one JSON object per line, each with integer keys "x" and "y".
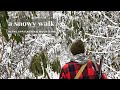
{"x": 95, "y": 66}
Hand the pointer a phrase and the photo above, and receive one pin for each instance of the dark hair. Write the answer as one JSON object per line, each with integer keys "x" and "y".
{"x": 77, "y": 47}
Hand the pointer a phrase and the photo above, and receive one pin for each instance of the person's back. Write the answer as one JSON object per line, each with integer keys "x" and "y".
{"x": 70, "y": 70}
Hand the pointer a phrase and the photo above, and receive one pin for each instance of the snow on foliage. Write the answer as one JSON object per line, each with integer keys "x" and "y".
{"x": 99, "y": 30}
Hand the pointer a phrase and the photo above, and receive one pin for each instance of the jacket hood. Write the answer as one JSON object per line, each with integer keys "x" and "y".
{"x": 80, "y": 58}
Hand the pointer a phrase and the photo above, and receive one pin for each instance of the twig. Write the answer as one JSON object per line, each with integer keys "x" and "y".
{"x": 12, "y": 45}
{"x": 109, "y": 67}
{"x": 98, "y": 36}
{"x": 2, "y": 49}
{"x": 105, "y": 52}
{"x": 109, "y": 18}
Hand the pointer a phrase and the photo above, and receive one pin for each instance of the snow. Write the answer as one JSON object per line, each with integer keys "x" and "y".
{"x": 104, "y": 40}
{"x": 9, "y": 49}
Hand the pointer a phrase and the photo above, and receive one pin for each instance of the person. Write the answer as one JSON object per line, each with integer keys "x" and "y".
{"x": 70, "y": 70}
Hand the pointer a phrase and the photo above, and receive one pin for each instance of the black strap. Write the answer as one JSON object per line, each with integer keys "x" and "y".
{"x": 94, "y": 64}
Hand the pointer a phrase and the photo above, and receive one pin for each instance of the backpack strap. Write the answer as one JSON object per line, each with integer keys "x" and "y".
{"x": 80, "y": 71}
{"x": 94, "y": 64}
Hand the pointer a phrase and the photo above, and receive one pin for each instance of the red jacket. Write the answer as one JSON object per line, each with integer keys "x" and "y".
{"x": 69, "y": 71}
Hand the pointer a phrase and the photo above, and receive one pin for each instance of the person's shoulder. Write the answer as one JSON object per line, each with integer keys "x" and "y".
{"x": 69, "y": 64}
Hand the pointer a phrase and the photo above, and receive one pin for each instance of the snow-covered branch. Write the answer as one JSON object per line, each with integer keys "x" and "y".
{"x": 108, "y": 18}
{"x": 98, "y": 36}
{"x": 109, "y": 67}
{"x": 105, "y": 34}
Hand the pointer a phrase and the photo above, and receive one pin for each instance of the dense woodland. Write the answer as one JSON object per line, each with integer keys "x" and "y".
{"x": 41, "y": 56}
